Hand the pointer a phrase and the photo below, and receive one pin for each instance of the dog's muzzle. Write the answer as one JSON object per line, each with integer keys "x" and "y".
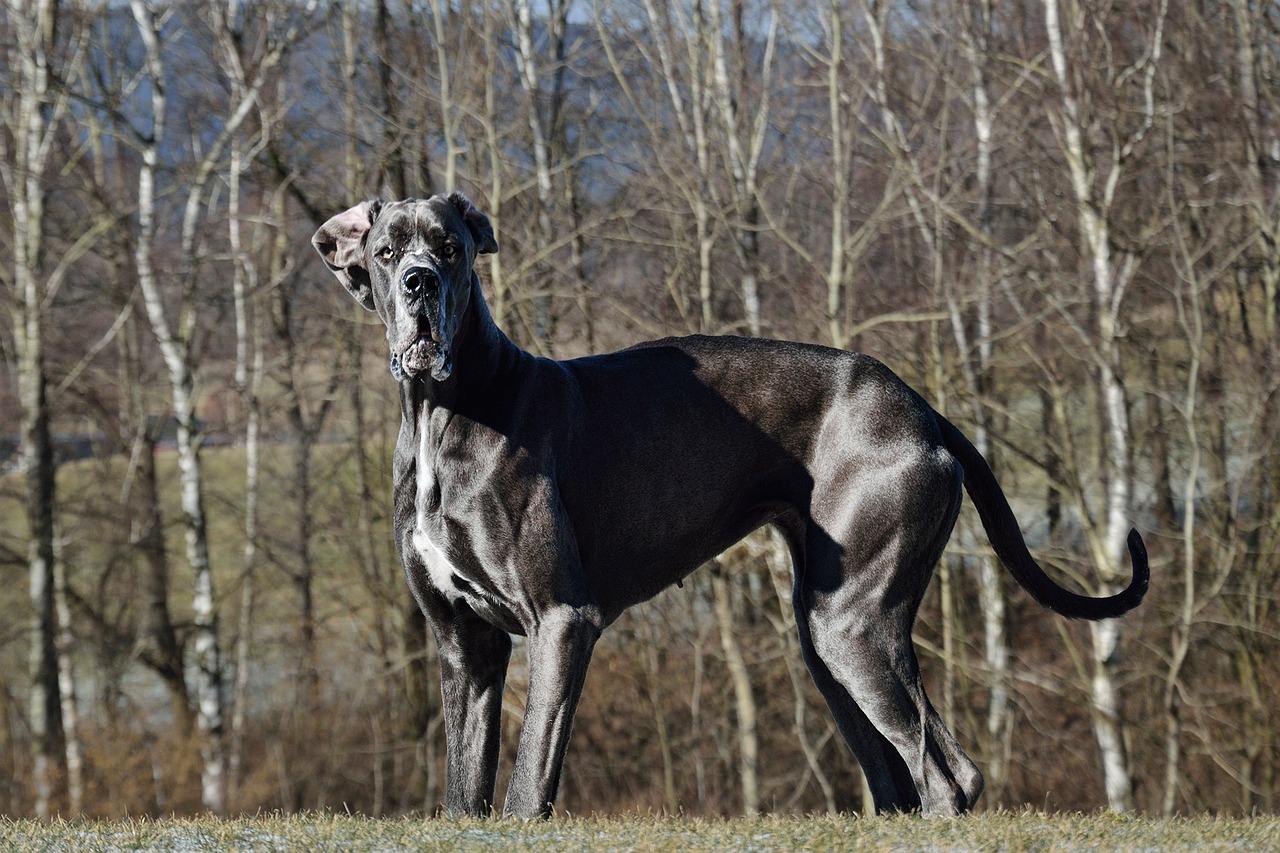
{"x": 429, "y": 350}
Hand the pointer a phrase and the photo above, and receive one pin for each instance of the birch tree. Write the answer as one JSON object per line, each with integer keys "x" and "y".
{"x": 249, "y": 371}
{"x": 65, "y": 643}
{"x": 744, "y": 700}
{"x": 1260, "y": 153}
{"x": 1257, "y": 284}
{"x": 177, "y": 346}
{"x": 1095, "y": 168}
{"x": 744, "y": 135}
{"x": 32, "y": 112}
{"x": 540, "y": 123}
{"x": 974, "y": 343}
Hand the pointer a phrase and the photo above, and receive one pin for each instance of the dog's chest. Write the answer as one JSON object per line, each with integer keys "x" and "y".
{"x": 428, "y": 534}
{"x": 455, "y": 574}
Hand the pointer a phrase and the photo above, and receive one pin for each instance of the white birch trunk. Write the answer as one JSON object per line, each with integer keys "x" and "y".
{"x": 1105, "y": 636}
{"x": 990, "y": 589}
{"x": 1191, "y": 316}
{"x": 31, "y": 127}
{"x": 1093, "y": 192}
{"x": 175, "y": 348}
{"x": 840, "y": 178}
{"x": 67, "y": 692}
{"x": 448, "y": 111}
{"x": 207, "y": 691}
{"x": 527, "y": 62}
{"x": 744, "y": 699}
{"x": 494, "y": 148}
{"x": 778, "y": 562}
{"x": 248, "y": 378}
{"x": 744, "y": 157}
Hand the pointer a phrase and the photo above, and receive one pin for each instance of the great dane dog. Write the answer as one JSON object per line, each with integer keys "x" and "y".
{"x": 543, "y": 498}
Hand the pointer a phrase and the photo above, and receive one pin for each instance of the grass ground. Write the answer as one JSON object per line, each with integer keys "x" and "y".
{"x": 1004, "y": 832}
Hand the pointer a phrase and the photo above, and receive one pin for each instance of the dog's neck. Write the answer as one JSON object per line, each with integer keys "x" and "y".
{"x": 480, "y": 353}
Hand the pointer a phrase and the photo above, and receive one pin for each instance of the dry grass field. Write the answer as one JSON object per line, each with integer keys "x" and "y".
{"x": 1020, "y": 831}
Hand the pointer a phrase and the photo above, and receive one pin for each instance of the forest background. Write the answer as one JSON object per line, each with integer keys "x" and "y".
{"x": 1058, "y": 219}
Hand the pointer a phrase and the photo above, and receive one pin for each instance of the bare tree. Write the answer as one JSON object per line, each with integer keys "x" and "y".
{"x": 177, "y": 347}
{"x": 676, "y": 109}
{"x": 744, "y": 135}
{"x": 530, "y": 64}
{"x": 1095, "y": 171}
{"x": 744, "y": 703}
{"x": 31, "y": 122}
{"x": 65, "y": 640}
{"x": 975, "y": 345}
{"x": 249, "y": 371}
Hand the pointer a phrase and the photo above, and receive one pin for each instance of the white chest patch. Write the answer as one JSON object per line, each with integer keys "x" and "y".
{"x": 439, "y": 568}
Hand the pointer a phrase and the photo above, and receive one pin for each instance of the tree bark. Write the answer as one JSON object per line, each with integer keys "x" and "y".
{"x": 176, "y": 353}
{"x": 744, "y": 701}
{"x": 976, "y": 358}
{"x": 1094, "y": 192}
{"x": 539, "y": 139}
{"x": 32, "y": 126}
{"x": 67, "y": 692}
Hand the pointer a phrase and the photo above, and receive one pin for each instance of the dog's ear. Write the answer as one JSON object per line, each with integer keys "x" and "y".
{"x": 340, "y": 241}
{"x": 477, "y": 224}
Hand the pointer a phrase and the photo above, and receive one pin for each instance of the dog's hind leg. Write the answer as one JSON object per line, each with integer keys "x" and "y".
{"x": 876, "y": 666}
{"x": 860, "y": 608}
{"x": 888, "y": 779}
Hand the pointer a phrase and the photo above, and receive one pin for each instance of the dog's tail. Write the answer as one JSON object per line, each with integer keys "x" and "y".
{"x": 1006, "y": 538}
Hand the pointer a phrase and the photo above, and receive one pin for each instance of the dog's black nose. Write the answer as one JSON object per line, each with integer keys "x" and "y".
{"x": 419, "y": 280}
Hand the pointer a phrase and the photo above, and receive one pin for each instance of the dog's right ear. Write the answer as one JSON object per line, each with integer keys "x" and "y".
{"x": 477, "y": 223}
{"x": 340, "y": 241}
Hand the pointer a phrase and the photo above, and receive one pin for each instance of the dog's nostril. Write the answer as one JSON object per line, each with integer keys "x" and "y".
{"x": 417, "y": 279}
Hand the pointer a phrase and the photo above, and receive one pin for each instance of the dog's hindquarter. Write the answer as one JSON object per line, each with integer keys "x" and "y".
{"x": 686, "y": 445}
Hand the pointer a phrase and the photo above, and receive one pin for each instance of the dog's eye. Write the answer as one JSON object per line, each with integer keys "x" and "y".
{"x": 449, "y": 251}
{"x": 387, "y": 254}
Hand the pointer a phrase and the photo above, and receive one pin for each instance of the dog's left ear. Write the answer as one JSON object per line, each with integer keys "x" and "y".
{"x": 477, "y": 223}
{"x": 340, "y": 241}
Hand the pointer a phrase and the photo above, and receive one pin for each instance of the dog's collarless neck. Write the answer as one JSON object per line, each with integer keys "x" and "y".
{"x": 483, "y": 357}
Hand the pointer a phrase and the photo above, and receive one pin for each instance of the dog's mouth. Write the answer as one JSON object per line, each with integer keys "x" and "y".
{"x": 427, "y": 353}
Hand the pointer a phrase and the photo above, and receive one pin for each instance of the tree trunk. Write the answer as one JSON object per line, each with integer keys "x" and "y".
{"x": 653, "y": 686}
{"x": 743, "y": 156}
{"x": 1094, "y": 191}
{"x": 977, "y": 372}
{"x": 31, "y": 126}
{"x": 163, "y": 652}
{"x": 743, "y": 697}
{"x": 67, "y": 693}
{"x": 248, "y": 378}
{"x": 530, "y": 79}
{"x": 176, "y": 352}
{"x": 778, "y": 561}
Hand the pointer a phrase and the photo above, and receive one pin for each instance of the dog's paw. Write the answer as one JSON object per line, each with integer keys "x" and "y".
{"x": 396, "y": 370}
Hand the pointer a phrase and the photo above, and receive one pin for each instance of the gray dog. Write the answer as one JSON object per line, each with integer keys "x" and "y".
{"x": 544, "y": 498}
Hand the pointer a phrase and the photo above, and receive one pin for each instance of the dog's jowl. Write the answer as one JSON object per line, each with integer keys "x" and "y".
{"x": 544, "y": 498}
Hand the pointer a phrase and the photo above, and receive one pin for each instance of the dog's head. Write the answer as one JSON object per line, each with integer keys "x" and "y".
{"x": 411, "y": 262}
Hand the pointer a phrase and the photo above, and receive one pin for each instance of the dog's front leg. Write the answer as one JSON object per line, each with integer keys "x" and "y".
{"x": 473, "y": 669}
{"x": 559, "y": 652}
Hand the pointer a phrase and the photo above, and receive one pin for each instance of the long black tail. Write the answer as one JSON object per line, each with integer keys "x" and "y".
{"x": 1006, "y": 538}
